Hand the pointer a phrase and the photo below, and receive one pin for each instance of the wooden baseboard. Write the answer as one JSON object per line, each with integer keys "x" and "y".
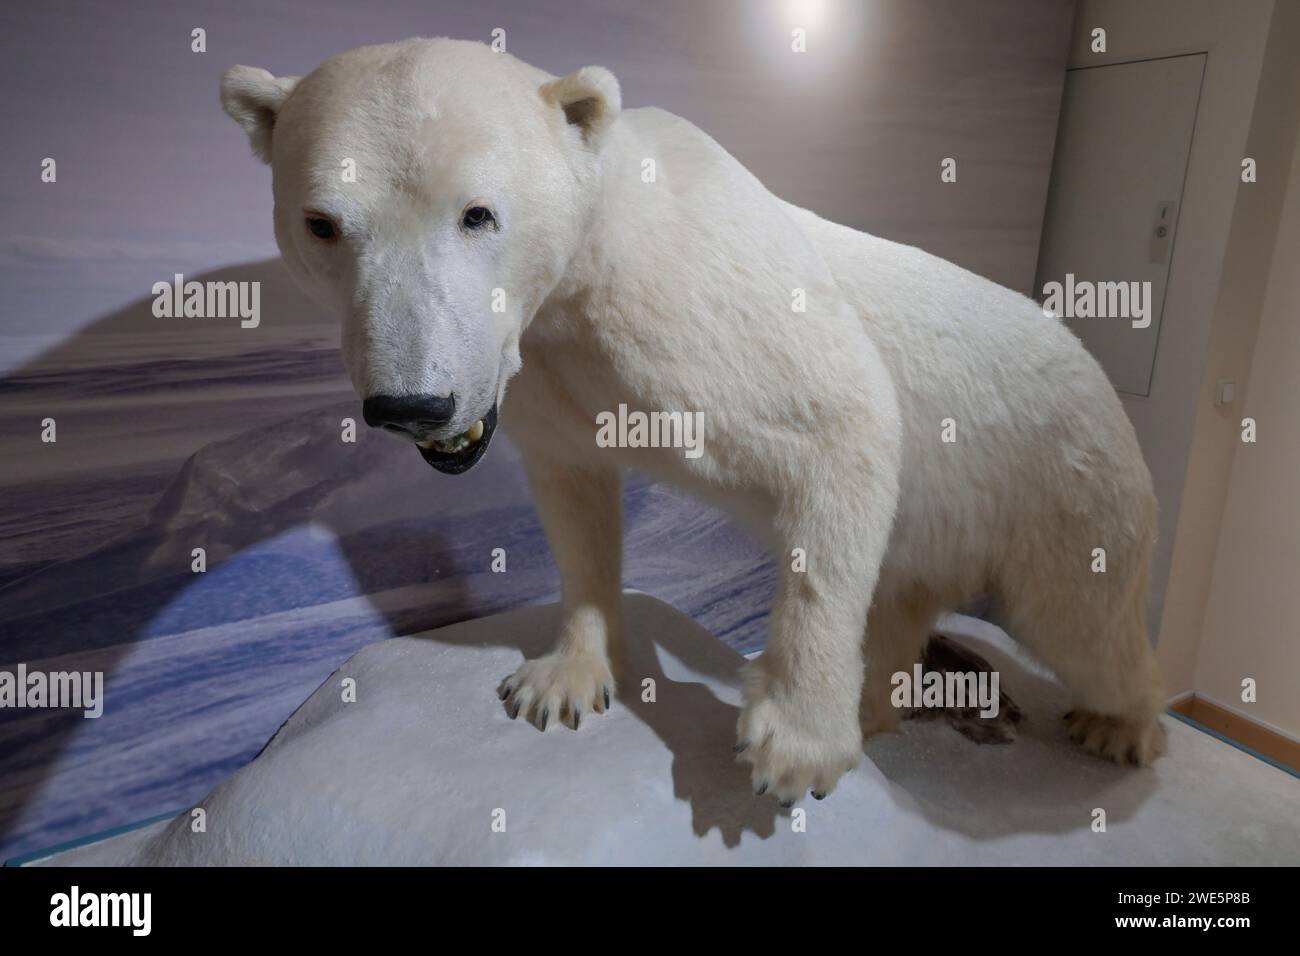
{"x": 1240, "y": 730}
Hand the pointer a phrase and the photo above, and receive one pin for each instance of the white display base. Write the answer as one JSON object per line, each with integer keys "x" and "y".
{"x": 417, "y": 770}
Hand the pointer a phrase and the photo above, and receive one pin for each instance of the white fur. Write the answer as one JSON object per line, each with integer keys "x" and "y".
{"x": 822, "y": 428}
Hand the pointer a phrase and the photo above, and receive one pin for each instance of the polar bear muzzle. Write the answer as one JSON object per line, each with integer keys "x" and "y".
{"x": 460, "y": 453}
{"x": 418, "y": 417}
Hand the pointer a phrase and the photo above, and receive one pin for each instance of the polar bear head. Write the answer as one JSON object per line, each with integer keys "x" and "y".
{"x": 432, "y": 193}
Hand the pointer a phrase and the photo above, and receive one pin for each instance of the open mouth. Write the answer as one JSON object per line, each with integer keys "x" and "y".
{"x": 460, "y": 453}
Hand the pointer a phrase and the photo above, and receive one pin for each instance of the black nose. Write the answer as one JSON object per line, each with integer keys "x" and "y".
{"x": 414, "y": 414}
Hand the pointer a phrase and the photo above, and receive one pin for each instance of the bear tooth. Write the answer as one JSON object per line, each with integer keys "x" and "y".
{"x": 426, "y": 443}
{"x": 475, "y": 431}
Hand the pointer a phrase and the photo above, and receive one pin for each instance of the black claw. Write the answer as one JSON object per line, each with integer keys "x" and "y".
{"x": 514, "y": 711}
{"x": 741, "y": 748}
{"x": 546, "y": 713}
{"x": 504, "y": 692}
{"x": 607, "y": 698}
{"x": 577, "y": 716}
{"x": 761, "y": 790}
{"x": 787, "y": 804}
{"x": 818, "y": 795}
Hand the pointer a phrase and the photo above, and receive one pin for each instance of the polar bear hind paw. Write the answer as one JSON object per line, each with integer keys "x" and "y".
{"x": 1121, "y": 739}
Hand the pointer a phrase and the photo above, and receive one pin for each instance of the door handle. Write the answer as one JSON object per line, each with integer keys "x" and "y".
{"x": 1162, "y": 232}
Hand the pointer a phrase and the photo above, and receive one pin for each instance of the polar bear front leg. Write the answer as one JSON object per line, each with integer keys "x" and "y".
{"x": 800, "y": 727}
{"x": 581, "y": 511}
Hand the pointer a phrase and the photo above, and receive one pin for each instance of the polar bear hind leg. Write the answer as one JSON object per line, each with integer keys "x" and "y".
{"x": 1089, "y": 627}
{"x": 898, "y": 626}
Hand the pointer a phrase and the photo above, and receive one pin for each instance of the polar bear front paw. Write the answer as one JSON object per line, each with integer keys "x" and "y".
{"x": 795, "y": 746}
{"x": 561, "y": 686}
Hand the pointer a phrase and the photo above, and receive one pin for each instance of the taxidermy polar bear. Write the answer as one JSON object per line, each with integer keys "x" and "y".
{"x": 914, "y": 436}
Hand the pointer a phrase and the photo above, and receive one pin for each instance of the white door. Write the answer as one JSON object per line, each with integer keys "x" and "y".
{"x": 1112, "y": 207}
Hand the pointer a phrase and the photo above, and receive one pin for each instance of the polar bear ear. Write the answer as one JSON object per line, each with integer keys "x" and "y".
{"x": 590, "y": 99}
{"x": 252, "y": 98}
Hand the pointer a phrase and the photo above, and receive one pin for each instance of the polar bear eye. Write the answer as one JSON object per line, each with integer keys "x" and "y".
{"x": 476, "y": 217}
{"x": 321, "y": 228}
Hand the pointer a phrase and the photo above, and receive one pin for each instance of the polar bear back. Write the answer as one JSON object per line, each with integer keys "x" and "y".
{"x": 1037, "y": 426}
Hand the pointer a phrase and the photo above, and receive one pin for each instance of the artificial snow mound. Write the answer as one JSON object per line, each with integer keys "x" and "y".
{"x": 425, "y": 762}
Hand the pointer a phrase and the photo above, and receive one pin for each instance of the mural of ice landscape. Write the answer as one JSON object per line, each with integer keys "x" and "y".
{"x": 176, "y": 434}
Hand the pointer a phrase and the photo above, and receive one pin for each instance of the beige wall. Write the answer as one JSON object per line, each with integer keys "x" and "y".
{"x": 1218, "y": 276}
{"x": 1234, "y": 37}
{"x": 1230, "y": 522}
{"x": 1252, "y": 617}
{"x": 1230, "y": 342}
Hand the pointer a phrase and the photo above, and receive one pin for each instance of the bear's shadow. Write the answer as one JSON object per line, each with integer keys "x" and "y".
{"x": 1039, "y": 782}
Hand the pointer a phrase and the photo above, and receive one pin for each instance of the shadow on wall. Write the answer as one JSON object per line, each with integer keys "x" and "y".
{"x": 183, "y": 434}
